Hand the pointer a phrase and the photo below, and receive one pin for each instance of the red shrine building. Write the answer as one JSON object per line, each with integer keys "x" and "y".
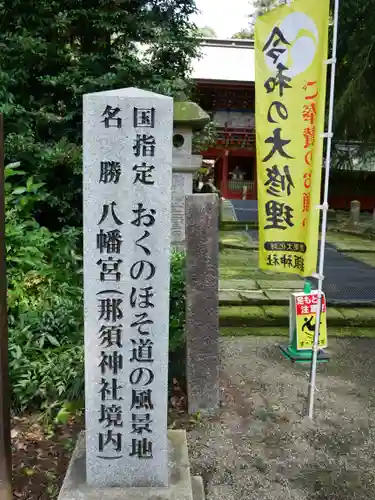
{"x": 225, "y": 88}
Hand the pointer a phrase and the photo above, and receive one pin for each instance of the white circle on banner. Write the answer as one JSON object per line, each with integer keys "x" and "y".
{"x": 302, "y": 34}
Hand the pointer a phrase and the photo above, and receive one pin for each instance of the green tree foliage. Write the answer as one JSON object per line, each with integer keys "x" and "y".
{"x": 262, "y": 7}
{"x": 205, "y": 138}
{"x": 206, "y": 32}
{"x": 244, "y": 34}
{"x": 53, "y": 51}
{"x": 355, "y": 98}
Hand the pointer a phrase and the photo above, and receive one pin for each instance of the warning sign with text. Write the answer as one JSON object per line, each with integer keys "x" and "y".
{"x": 305, "y": 308}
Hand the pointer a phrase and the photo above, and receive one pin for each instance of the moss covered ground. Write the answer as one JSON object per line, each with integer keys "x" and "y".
{"x": 253, "y": 300}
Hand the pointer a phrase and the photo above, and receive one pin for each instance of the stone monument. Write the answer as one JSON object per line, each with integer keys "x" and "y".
{"x": 188, "y": 117}
{"x": 355, "y": 213}
{"x": 126, "y": 452}
{"x": 202, "y": 302}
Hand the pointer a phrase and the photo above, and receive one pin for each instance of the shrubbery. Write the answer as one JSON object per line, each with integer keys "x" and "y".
{"x": 45, "y": 302}
{"x": 177, "y": 303}
{"x": 177, "y": 319}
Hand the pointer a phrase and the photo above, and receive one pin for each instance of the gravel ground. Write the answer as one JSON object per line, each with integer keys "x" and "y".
{"x": 262, "y": 447}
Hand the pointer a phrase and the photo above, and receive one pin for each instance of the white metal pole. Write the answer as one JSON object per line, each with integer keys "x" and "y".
{"x": 324, "y": 207}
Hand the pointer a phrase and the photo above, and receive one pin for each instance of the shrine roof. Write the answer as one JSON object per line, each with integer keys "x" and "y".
{"x": 224, "y": 61}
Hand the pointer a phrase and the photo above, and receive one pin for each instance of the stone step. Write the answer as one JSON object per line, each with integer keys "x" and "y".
{"x": 276, "y": 297}
{"x": 271, "y": 315}
{"x": 283, "y": 331}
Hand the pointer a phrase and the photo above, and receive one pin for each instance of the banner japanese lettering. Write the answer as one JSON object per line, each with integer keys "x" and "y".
{"x": 291, "y": 44}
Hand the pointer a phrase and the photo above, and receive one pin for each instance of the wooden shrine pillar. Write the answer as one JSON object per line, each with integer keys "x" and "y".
{"x": 224, "y": 172}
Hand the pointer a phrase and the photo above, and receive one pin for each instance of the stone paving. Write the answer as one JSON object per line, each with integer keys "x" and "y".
{"x": 347, "y": 280}
{"x": 246, "y": 210}
{"x": 244, "y": 290}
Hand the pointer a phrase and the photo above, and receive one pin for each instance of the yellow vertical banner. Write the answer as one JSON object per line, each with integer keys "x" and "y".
{"x": 291, "y": 44}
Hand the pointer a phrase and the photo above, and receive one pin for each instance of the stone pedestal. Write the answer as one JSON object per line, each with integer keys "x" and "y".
{"x": 202, "y": 311}
{"x": 181, "y": 485}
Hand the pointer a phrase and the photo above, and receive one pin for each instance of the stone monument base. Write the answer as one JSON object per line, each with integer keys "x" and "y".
{"x": 182, "y": 486}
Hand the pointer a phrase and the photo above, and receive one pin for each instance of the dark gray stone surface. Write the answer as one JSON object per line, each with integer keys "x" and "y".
{"x": 245, "y": 210}
{"x": 202, "y": 319}
{"x": 346, "y": 279}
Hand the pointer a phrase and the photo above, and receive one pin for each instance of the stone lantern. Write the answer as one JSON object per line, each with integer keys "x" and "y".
{"x": 188, "y": 117}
